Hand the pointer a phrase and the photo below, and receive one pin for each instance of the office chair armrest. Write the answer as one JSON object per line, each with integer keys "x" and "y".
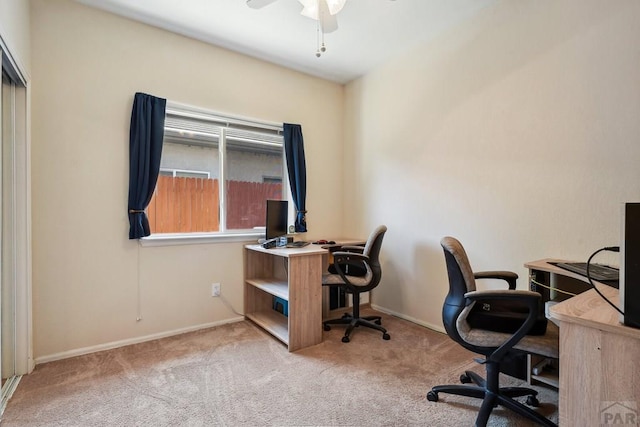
{"x": 348, "y": 257}
{"x": 515, "y": 294}
{"x": 532, "y": 301}
{"x": 508, "y": 276}
{"x": 349, "y": 248}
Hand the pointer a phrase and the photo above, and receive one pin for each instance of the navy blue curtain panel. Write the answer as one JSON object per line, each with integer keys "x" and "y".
{"x": 297, "y": 169}
{"x": 145, "y": 148}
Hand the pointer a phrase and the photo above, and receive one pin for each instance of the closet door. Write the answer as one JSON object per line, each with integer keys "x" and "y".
{"x": 7, "y": 238}
{"x": 16, "y": 352}
{"x": 2, "y": 281}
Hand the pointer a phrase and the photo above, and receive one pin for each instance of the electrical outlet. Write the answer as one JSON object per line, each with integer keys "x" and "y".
{"x": 215, "y": 289}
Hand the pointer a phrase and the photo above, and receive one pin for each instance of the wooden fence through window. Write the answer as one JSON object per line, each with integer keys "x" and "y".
{"x": 184, "y": 205}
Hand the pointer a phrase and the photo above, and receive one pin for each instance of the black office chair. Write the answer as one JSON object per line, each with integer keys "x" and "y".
{"x": 358, "y": 257}
{"x": 495, "y": 346}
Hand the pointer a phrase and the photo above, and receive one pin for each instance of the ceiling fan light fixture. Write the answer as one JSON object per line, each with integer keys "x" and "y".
{"x": 322, "y": 11}
{"x": 335, "y": 6}
{"x": 311, "y": 8}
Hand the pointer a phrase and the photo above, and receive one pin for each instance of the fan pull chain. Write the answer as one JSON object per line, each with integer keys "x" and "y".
{"x": 320, "y": 34}
{"x": 318, "y": 52}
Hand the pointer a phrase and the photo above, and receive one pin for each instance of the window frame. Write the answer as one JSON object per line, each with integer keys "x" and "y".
{"x": 224, "y": 121}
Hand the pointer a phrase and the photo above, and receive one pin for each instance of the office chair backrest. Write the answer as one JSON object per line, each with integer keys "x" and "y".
{"x": 461, "y": 281}
{"x": 358, "y": 283}
{"x": 372, "y": 250}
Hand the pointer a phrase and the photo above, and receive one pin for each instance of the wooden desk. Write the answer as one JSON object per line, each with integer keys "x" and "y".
{"x": 599, "y": 357}
{"x": 294, "y": 275}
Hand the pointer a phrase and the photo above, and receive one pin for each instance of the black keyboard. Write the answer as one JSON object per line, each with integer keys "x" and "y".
{"x": 299, "y": 244}
{"x": 599, "y": 272}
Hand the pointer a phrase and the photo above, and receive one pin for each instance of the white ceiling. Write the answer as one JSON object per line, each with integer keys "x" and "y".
{"x": 370, "y": 31}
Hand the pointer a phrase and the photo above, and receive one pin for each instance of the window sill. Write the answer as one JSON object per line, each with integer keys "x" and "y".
{"x": 174, "y": 239}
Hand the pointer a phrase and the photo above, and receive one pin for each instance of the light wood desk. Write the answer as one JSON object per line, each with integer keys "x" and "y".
{"x": 294, "y": 275}
{"x": 599, "y": 357}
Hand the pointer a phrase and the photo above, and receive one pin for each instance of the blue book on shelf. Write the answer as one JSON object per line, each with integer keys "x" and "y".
{"x": 281, "y": 306}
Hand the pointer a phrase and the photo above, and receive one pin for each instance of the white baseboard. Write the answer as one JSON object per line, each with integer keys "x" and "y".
{"x": 130, "y": 341}
{"x": 138, "y": 340}
{"x": 437, "y": 328}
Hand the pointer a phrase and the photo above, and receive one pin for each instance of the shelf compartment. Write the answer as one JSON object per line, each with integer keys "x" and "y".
{"x": 547, "y": 378}
{"x": 271, "y": 286}
{"x": 273, "y": 322}
{"x": 549, "y": 373}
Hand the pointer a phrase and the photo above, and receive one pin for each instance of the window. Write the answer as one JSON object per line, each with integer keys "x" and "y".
{"x": 216, "y": 173}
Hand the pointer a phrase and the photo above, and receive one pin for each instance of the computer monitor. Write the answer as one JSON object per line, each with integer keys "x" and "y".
{"x": 630, "y": 265}
{"x": 277, "y": 215}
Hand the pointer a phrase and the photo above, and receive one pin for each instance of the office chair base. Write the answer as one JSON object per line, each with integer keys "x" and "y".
{"x": 372, "y": 322}
{"x": 504, "y": 396}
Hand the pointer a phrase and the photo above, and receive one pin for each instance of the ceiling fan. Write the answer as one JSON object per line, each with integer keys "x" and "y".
{"x": 322, "y": 11}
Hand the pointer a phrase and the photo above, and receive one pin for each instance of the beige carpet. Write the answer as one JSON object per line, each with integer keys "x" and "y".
{"x": 237, "y": 375}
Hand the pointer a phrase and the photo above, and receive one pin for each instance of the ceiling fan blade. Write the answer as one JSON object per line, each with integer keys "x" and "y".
{"x": 257, "y": 4}
{"x": 310, "y": 8}
{"x": 328, "y": 22}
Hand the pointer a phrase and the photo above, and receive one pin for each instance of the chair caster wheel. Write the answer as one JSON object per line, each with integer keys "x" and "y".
{"x": 345, "y": 339}
{"x": 533, "y": 401}
{"x": 326, "y": 327}
{"x": 465, "y": 379}
{"x": 432, "y": 396}
{"x": 386, "y": 337}
{"x": 378, "y": 322}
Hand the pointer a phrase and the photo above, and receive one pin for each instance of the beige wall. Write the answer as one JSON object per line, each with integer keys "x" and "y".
{"x": 14, "y": 30}
{"x": 517, "y": 132}
{"x": 87, "y": 65}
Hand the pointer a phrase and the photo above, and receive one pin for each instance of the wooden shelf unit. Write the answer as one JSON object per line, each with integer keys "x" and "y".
{"x": 554, "y": 285}
{"x": 294, "y": 275}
